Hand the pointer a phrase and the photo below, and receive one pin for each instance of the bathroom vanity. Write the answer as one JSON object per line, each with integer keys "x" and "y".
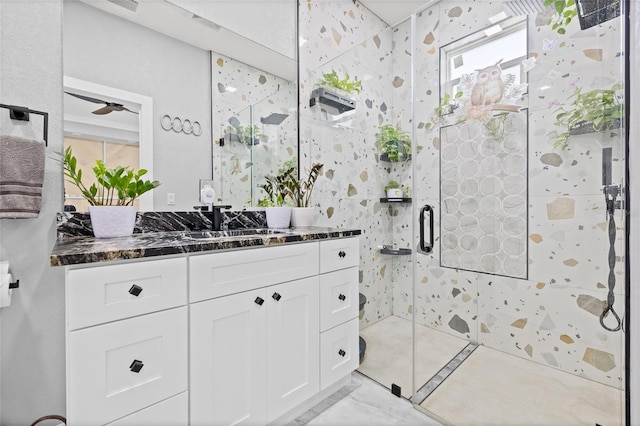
{"x": 201, "y": 328}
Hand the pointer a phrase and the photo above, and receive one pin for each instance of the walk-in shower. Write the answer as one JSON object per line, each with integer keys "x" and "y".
{"x": 496, "y": 285}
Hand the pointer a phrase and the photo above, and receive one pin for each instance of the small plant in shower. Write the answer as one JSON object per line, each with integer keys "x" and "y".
{"x": 597, "y": 110}
{"x": 393, "y": 189}
{"x": 394, "y": 143}
{"x": 447, "y": 106}
{"x": 333, "y": 80}
{"x": 564, "y": 12}
{"x": 247, "y": 135}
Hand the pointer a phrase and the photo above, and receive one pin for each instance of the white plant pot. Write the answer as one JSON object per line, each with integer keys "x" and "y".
{"x": 394, "y": 193}
{"x": 278, "y": 217}
{"x": 303, "y": 216}
{"x": 112, "y": 221}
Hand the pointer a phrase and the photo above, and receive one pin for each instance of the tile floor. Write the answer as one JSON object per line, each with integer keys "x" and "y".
{"x": 363, "y": 403}
{"x": 489, "y": 388}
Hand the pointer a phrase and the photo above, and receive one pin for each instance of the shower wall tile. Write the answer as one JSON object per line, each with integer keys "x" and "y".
{"x": 569, "y": 242}
{"x": 552, "y": 325}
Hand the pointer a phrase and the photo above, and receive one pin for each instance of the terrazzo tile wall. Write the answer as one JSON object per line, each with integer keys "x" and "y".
{"x": 551, "y": 315}
{"x": 258, "y": 94}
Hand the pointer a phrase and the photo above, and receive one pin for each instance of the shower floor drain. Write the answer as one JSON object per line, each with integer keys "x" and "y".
{"x": 426, "y": 390}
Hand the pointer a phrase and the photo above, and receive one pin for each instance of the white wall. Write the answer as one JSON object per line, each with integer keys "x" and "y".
{"x": 104, "y": 49}
{"x": 32, "y": 336}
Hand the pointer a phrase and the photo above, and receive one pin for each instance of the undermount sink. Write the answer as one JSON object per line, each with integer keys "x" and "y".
{"x": 205, "y": 235}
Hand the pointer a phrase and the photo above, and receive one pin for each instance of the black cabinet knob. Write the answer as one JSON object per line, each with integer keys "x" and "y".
{"x": 342, "y": 254}
{"x": 135, "y": 290}
{"x": 341, "y": 353}
{"x": 259, "y": 300}
{"x": 276, "y": 296}
{"x": 136, "y": 366}
{"x": 342, "y": 297}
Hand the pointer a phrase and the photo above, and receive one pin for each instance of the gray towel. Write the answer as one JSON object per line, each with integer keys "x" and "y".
{"x": 21, "y": 176}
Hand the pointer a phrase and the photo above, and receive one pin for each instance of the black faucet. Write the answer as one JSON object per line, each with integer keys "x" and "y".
{"x": 214, "y": 214}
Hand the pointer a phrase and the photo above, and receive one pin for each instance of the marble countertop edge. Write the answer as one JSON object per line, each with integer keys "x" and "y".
{"x": 81, "y": 250}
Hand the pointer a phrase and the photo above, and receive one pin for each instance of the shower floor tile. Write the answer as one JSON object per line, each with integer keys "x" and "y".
{"x": 492, "y": 387}
{"x": 389, "y": 352}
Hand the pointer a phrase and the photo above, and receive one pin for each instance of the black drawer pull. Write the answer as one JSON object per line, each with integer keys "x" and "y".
{"x": 341, "y": 353}
{"x": 276, "y": 296}
{"x": 136, "y": 366}
{"x": 341, "y": 254}
{"x": 135, "y": 290}
{"x": 259, "y": 300}
{"x": 342, "y": 297}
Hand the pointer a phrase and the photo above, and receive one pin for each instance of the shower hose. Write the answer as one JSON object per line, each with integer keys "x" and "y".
{"x": 611, "y": 207}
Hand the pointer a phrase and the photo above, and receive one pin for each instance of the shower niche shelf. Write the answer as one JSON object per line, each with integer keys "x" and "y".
{"x": 330, "y": 101}
{"x": 395, "y": 200}
{"x": 395, "y": 252}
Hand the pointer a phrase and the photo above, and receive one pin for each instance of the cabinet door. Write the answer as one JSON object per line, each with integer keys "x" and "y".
{"x": 228, "y": 360}
{"x": 292, "y": 345}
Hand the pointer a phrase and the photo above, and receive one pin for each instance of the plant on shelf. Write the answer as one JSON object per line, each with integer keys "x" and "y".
{"x": 119, "y": 186}
{"x": 247, "y": 135}
{"x": 447, "y": 106}
{"x": 393, "y": 189}
{"x": 564, "y": 12}
{"x": 597, "y": 110}
{"x": 332, "y": 79}
{"x": 300, "y": 189}
{"x": 395, "y": 144}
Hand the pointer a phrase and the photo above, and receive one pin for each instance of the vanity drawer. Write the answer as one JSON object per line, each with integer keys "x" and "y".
{"x": 221, "y": 274}
{"x": 339, "y": 352}
{"x": 339, "y": 254}
{"x": 173, "y": 411}
{"x": 106, "y": 293}
{"x": 119, "y": 368}
{"x": 338, "y": 297}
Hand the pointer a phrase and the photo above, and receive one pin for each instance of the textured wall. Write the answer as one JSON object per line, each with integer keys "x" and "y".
{"x": 33, "y": 354}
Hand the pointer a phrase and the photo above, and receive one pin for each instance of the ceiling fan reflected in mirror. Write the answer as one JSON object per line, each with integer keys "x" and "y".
{"x": 108, "y": 108}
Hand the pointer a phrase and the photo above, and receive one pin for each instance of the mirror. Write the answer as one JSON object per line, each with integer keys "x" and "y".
{"x": 178, "y": 53}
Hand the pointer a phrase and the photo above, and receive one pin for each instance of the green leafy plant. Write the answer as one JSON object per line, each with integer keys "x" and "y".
{"x": 300, "y": 190}
{"x": 332, "y": 79}
{"x": 395, "y": 143}
{"x": 447, "y": 105}
{"x": 119, "y": 186}
{"x": 391, "y": 185}
{"x": 599, "y": 109}
{"x": 246, "y": 134}
{"x": 276, "y": 188}
{"x": 565, "y": 11}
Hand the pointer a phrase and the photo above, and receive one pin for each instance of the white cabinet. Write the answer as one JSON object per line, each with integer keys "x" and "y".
{"x": 255, "y": 354}
{"x": 238, "y": 337}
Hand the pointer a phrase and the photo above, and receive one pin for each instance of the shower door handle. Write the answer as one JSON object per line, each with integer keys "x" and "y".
{"x": 426, "y": 247}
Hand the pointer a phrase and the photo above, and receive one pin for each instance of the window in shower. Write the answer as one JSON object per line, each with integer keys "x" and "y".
{"x": 483, "y": 152}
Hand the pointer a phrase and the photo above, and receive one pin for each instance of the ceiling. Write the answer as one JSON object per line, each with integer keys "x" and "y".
{"x": 392, "y": 12}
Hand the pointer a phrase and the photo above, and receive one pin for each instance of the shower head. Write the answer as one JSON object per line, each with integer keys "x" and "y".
{"x": 273, "y": 118}
{"x": 524, "y": 7}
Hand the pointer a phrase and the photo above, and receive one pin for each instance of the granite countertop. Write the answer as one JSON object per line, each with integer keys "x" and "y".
{"x": 74, "y": 250}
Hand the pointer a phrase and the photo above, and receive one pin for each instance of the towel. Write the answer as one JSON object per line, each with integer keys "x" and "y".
{"x": 21, "y": 176}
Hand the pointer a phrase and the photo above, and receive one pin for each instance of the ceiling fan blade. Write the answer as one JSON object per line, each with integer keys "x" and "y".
{"x": 104, "y": 110}
{"x": 127, "y": 109}
{"x": 87, "y": 98}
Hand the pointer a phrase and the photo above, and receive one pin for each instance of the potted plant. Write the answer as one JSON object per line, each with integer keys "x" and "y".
{"x": 278, "y": 213}
{"x": 395, "y": 144}
{"x": 333, "y": 80}
{"x": 597, "y": 110}
{"x": 300, "y": 193}
{"x": 111, "y": 198}
{"x": 393, "y": 189}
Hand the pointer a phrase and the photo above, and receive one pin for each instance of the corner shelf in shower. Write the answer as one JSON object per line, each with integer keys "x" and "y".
{"x": 395, "y": 200}
{"x": 395, "y": 252}
{"x": 334, "y": 101}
